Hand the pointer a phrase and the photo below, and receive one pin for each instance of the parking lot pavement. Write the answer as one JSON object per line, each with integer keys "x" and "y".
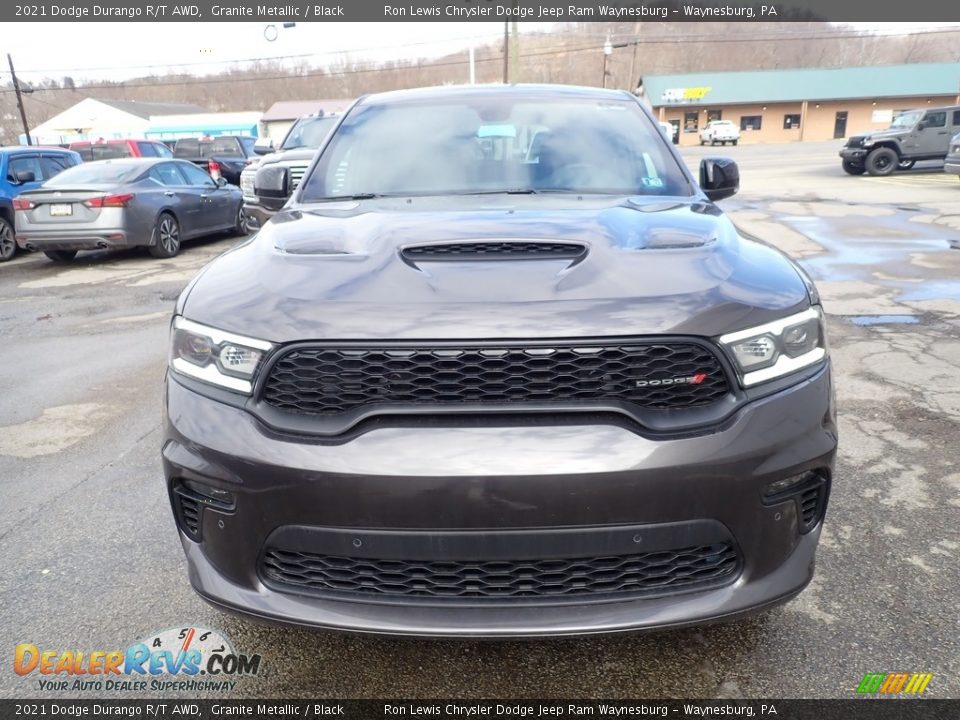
{"x": 90, "y": 559}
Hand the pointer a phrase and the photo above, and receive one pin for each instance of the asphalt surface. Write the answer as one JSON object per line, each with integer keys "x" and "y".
{"x": 91, "y": 560}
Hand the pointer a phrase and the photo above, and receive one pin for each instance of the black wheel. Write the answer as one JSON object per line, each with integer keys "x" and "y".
{"x": 906, "y": 164}
{"x": 240, "y": 226}
{"x": 60, "y": 255}
{"x": 882, "y": 161}
{"x": 852, "y": 168}
{"x": 8, "y": 244}
{"x": 735, "y": 142}
{"x": 166, "y": 237}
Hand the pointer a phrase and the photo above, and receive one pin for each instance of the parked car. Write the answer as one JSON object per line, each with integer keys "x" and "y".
{"x": 450, "y": 391}
{"x": 913, "y": 135}
{"x": 151, "y": 202}
{"x": 223, "y": 156}
{"x": 23, "y": 168}
{"x": 951, "y": 163}
{"x": 720, "y": 131}
{"x": 113, "y": 149}
{"x": 295, "y": 153}
{"x": 669, "y": 130}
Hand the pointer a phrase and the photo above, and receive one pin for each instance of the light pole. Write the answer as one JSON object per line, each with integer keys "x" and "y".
{"x": 607, "y": 52}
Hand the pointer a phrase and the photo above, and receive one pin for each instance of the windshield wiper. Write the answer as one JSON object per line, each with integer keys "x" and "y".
{"x": 504, "y": 191}
{"x": 357, "y": 196}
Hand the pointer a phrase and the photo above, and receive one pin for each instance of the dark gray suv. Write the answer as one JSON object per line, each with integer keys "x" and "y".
{"x": 501, "y": 367}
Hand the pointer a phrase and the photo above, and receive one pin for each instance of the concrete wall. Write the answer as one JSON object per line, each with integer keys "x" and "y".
{"x": 818, "y": 125}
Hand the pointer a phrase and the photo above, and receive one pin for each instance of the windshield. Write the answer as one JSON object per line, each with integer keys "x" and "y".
{"x": 308, "y": 132}
{"x": 488, "y": 144}
{"x": 105, "y": 151}
{"x": 906, "y": 120}
{"x": 96, "y": 173}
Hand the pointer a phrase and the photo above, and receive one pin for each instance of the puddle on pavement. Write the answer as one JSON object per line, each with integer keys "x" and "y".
{"x": 865, "y": 320}
{"x": 858, "y": 246}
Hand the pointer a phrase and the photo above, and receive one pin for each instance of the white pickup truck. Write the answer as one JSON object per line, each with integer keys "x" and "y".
{"x": 720, "y": 131}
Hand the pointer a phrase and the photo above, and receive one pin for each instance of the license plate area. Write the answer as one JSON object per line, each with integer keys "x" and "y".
{"x": 61, "y": 209}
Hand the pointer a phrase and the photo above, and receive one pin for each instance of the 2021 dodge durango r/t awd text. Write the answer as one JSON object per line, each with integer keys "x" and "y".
{"x": 500, "y": 367}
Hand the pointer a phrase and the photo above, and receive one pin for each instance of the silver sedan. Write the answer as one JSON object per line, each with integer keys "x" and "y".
{"x": 152, "y": 202}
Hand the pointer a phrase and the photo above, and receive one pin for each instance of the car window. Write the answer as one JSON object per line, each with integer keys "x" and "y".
{"x": 248, "y": 143}
{"x": 223, "y": 146}
{"x": 29, "y": 163}
{"x": 308, "y": 132}
{"x": 935, "y": 119}
{"x": 478, "y": 144}
{"x": 53, "y": 165}
{"x": 162, "y": 150}
{"x": 196, "y": 176}
{"x": 146, "y": 149}
{"x": 187, "y": 148}
{"x": 956, "y": 118}
{"x": 107, "y": 151}
{"x": 98, "y": 173}
{"x": 167, "y": 174}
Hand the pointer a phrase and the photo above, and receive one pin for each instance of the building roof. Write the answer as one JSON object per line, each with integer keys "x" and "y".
{"x": 293, "y": 109}
{"x": 849, "y": 83}
{"x": 146, "y": 109}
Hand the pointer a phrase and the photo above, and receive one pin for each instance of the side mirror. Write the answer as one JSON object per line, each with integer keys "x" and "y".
{"x": 221, "y": 181}
{"x": 263, "y": 146}
{"x": 271, "y": 185}
{"x": 719, "y": 177}
{"x": 25, "y": 176}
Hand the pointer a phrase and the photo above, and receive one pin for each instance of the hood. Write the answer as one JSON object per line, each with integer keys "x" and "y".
{"x": 304, "y": 154}
{"x": 888, "y": 133}
{"x": 337, "y": 271}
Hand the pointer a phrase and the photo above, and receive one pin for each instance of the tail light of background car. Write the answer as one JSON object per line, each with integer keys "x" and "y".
{"x": 213, "y": 167}
{"x": 102, "y": 201}
{"x": 23, "y": 204}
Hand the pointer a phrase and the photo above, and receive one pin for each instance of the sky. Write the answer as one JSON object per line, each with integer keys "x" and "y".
{"x": 121, "y": 50}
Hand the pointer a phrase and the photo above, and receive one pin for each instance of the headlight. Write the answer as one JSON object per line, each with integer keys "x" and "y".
{"x": 214, "y": 356}
{"x": 779, "y": 348}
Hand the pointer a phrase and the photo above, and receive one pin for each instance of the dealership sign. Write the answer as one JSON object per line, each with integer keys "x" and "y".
{"x": 681, "y": 95}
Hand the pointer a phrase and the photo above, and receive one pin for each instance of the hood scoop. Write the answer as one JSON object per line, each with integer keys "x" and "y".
{"x": 496, "y": 250}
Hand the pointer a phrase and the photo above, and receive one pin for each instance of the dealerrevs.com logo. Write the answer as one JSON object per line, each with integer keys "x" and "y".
{"x": 186, "y": 659}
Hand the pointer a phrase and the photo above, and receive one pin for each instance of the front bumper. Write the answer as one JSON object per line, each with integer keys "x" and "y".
{"x": 952, "y": 164}
{"x": 39, "y": 240}
{"x": 467, "y": 492}
{"x": 854, "y": 154}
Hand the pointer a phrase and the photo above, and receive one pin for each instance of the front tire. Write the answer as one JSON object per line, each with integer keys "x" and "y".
{"x": 852, "y": 168}
{"x": 8, "y": 242}
{"x": 60, "y": 255}
{"x": 882, "y": 161}
{"x": 166, "y": 237}
{"x": 735, "y": 141}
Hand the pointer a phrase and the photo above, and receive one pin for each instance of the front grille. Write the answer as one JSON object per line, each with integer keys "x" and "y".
{"x": 246, "y": 182}
{"x": 644, "y": 573}
{"x": 296, "y": 174}
{"x": 495, "y": 251}
{"x": 331, "y": 380}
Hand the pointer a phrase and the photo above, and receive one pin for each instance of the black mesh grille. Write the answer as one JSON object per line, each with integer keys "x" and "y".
{"x": 683, "y": 568}
{"x": 329, "y": 380}
{"x": 494, "y": 251}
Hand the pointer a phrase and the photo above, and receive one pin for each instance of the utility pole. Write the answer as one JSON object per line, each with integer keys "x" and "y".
{"x": 16, "y": 89}
{"x": 633, "y": 59}
{"x": 607, "y": 52}
{"x": 515, "y": 50}
{"x": 506, "y": 52}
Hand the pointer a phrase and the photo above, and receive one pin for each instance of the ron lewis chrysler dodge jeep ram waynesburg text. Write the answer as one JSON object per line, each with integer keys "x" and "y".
{"x": 500, "y": 367}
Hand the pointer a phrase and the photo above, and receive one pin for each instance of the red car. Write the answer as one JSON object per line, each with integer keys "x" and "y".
{"x": 110, "y": 149}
